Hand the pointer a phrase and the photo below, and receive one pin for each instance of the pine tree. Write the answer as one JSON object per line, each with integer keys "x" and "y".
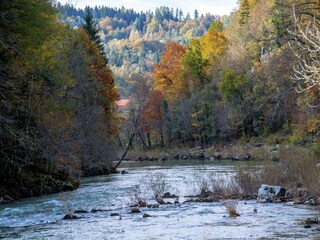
{"x": 91, "y": 28}
{"x": 196, "y": 14}
{"x": 244, "y": 12}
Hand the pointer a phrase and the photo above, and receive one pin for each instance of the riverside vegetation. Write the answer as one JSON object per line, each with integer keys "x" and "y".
{"x": 251, "y": 77}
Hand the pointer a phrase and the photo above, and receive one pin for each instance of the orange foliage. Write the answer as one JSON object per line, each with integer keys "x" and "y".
{"x": 168, "y": 72}
{"x": 152, "y": 114}
{"x": 105, "y": 84}
{"x": 101, "y": 72}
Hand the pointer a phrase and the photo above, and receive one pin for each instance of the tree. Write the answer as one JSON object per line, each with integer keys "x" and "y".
{"x": 196, "y": 14}
{"x": 153, "y": 116}
{"x": 307, "y": 41}
{"x": 213, "y": 45}
{"x": 91, "y": 28}
{"x": 195, "y": 66}
{"x": 168, "y": 72}
{"x": 244, "y": 12}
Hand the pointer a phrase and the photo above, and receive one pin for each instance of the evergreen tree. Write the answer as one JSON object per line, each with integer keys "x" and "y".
{"x": 91, "y": 28}
{"x": 244, "y": 12}
{"x": 196, "y": 14}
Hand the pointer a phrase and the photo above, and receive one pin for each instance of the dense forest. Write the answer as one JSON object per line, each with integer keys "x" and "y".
{"x": 57, "y": 109}
{"x": 252, "y": 76}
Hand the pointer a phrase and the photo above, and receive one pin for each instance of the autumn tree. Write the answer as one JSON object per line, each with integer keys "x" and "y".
{"x": 195, "y": 65}
{"x": 168, "y": 72}
{"x": 153, "y": 117}
{"x": 213, "y": 44}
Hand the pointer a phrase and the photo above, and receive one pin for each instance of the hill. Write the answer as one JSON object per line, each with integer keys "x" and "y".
{"x": 134, "y": 40}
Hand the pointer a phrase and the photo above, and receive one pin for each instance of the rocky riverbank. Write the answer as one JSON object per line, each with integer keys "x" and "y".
{"x": 235, "y": 152}
{"x": 36, "y": 180}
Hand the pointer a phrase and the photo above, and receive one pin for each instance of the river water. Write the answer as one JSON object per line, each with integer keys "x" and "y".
{"x": 42, "y": 217}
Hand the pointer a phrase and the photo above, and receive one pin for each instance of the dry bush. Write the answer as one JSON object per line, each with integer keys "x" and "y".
{"x": 201, "y": 182}
{"x": 297, "y": 168}
{"x": 249, "y": 180}
{"x": 218, "y": 186}
{"x": 232, "y": 208}
{"x": 224, "y": 186}
{"x": 156, "y": 183}
{"x": 137, "y": 198}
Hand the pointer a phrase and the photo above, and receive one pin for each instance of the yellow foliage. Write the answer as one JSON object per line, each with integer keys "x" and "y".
{"x": 213, "y": 45}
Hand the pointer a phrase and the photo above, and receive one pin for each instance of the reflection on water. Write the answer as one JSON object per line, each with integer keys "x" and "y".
{"x": 41, "y": 218}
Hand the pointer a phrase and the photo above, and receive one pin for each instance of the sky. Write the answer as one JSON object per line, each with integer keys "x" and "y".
{"x": 215, "y": 7}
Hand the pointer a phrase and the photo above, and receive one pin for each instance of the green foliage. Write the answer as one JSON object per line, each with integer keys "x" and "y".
{"x": 298, "y": 137}
{"x": 216, "y": 26}
{"x": 195, "y": 65}
{"x": 316, "y": 148}
{"x": 91, "y": 28}
{"x": 244, "y": 12}
{"x": 275, "y": 139}
{"x": 233, "y": 86}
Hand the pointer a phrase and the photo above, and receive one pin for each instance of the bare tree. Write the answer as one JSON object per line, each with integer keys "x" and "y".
{"x": 307, "y": 49}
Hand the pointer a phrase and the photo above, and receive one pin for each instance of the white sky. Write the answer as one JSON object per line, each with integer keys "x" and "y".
{"x": 215, "y": 7}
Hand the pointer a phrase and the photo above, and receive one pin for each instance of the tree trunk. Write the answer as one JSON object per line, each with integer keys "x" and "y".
{"x": 125, "y": 153}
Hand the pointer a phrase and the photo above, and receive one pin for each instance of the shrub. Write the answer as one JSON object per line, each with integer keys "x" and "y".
{"x": 137, "y": 198}
{"x": 275, "y": 139}
{"x": 298, "y": 137}
{"x": 156, "y": 183}
{"x": 232, "y": 208}
{"x": 316, "y": 148}
{"x": 249, "y": 180}
{"x": 201, "y": 182}
{"x": 297, "y": 168}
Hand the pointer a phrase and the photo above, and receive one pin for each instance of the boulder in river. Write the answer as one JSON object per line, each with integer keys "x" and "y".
{"x": 268, "y": 193}
{"x": 81, "y": 211}
{"x": 114, "y": 214}
{"x": 169, "y": 195}
{"x": 312, "y": 201}
{"x": 70, "y": 217}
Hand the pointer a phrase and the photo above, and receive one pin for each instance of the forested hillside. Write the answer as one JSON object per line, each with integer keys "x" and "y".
{"x": 134, "y": 41}
{"x": 57, "y": 101}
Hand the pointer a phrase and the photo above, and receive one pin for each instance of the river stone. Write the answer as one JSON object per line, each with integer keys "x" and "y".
{"x": 312, "y": 201}
{"x": 146, "y": 215}
{"x": 268, "y": 193}
{"x": 70, "y": 217}
{"x": 169, "y": 195}
{"x": 81, "y": 211}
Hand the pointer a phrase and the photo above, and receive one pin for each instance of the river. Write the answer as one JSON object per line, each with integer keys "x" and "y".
{"x": 42, "y": 217}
